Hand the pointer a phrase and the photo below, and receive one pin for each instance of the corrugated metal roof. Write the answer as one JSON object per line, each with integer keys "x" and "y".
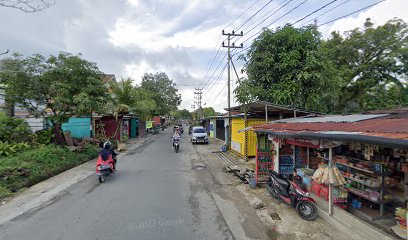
{"x": 396, "y": 128}
{"x": 331, "y": 118}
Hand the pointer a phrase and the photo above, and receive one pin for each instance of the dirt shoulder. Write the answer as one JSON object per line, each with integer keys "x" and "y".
{"x": 236, "y": 201}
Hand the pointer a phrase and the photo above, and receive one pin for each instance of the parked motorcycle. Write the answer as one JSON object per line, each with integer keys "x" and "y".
{"x": 104, "y": 168}
{"x": 292, "y": 193}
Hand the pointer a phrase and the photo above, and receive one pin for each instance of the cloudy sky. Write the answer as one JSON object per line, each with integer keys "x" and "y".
{"x": 180, "y": 37}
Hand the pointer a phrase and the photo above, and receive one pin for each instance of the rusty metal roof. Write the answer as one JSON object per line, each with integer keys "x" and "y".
{"x": 384, "y": 129}
{"x": 331, "y": 118}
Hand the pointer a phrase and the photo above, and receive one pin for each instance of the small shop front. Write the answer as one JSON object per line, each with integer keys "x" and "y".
{"x": 374, "y": 185}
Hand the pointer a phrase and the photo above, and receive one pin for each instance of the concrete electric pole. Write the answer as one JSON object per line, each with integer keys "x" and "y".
{"x": 199, "y": 93}
{"x": 229, "y": 46}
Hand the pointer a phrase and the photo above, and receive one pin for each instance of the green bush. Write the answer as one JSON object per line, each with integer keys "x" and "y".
{"x": 43, "y": 137}
{"x": 13, "y": 130}
{"x": 7, "y": 149}
{"x": 30, "y": 167}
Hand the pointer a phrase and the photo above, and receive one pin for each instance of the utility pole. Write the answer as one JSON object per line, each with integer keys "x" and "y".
{"x": 199, "y": 92}
{"x": 193, "y": 107}
{"x": 229, "y": 46}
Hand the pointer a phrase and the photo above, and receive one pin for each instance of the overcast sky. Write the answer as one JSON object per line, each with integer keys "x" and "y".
{"x": 131, "y": 37}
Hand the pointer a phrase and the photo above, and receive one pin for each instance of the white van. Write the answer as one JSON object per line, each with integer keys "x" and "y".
{"x": 199, "y": 134}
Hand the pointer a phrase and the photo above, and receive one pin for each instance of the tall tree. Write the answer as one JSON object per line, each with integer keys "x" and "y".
{"x": 182, "y": 114}
{"x": 208, "y": 111}
{"x": 373, "y": 66}
{"x": 163, "y": 90}
{"x": 128, "y": 97}
{"x": 57, "y": 87}
{"x": 287, "y": 66}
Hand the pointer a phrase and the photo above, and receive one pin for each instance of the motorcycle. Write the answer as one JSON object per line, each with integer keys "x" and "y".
{"x": 176, "y": 145}
{"x": 104, "y": 168}
{"x": 293, "y": 194}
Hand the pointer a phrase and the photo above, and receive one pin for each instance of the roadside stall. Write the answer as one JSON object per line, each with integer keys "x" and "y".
{"x": 358, "y": 163}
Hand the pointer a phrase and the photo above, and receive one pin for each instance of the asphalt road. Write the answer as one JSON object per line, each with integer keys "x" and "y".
{"x": 156, "y": 194}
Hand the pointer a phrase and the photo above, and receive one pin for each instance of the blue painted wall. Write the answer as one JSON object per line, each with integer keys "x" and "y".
{"x": 79, "y": 127}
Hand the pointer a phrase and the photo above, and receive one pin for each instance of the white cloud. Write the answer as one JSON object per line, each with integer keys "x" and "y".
{"x": 133, "y": 3}
{"x": 131, "y": 37}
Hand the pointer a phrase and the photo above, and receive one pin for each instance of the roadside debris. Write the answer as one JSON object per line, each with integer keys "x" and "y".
{"x": 258, "y": 205}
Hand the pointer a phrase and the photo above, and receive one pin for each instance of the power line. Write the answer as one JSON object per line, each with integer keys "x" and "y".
{"x": 325, "y": 23}
{"x": 214, "y": 56}
{"x": 291, "y": 10}
{"x": 327, "y": 11}
{"x": 241, "y": 14}
{"x": 215, "y": 80}
{"x": 358, "y": 10}
{"x": 254, "y": 15}
{"x": 267, "y": 16}
{"x": 215, "y": 70}
{"x": 324, "y": 6}
{"x": 214, "y": 98}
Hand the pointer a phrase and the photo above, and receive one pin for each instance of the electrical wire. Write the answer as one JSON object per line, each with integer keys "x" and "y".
{"x": 242, "y": 14}
{"x": 315, "y": 11}
{"x": 267, "y": 16}
{"x": 214, "y": 56}
{"x": 356, "y": 11}
{"x": 214, "y": 98}
{"x": 215, "y": 70}
{"x": 215, "y": 80}
{"x": 253, "y": 15}
{"x": 327, "y": 11}
{"x": 291, "y": 10}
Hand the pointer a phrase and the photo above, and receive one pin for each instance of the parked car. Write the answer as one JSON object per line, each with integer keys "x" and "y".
{"x": 199, "y": 134}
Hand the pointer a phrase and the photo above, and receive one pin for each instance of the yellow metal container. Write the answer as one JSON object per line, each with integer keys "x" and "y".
{"x": 238, "y": 139}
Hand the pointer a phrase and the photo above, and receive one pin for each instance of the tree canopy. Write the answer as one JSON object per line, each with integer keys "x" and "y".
{"x": 372, "y": 65}
{"x": 163, "y": 92}
{"x": 287, "y": 66}
{"x": 181, "y": 114}
{"x": 128, "y": 97}
{"x": 58, "y": 87}
{"x": 364, "y": 69}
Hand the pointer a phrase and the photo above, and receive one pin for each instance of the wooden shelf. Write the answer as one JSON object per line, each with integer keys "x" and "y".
{"x": 351, "y": 190}
{"x": 361, "y": 182}
{"x": 361, "y": 169}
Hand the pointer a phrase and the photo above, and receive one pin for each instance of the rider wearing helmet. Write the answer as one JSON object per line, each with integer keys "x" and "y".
{"x": 107, "y": 152}
{"x": 176, "y": 135}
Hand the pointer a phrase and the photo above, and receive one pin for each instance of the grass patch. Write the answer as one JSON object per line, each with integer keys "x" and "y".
{"x": 33, "y": 166}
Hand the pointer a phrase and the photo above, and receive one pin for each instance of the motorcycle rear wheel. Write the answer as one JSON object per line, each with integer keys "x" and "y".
{"x": 306, "y": 210}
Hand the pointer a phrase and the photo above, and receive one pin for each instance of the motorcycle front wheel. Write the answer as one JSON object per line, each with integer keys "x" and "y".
{"x": 272, "y": 190}
{"x": 101, "y": 178}
{"x": 306, "y": 210}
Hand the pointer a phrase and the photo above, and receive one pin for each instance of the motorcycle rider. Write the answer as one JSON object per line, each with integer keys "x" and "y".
{"x": 108, "y": 152}
{"x": 176, "y": 136}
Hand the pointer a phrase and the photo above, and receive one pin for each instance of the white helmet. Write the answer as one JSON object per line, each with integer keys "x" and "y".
{"x": 107, "y": 145}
